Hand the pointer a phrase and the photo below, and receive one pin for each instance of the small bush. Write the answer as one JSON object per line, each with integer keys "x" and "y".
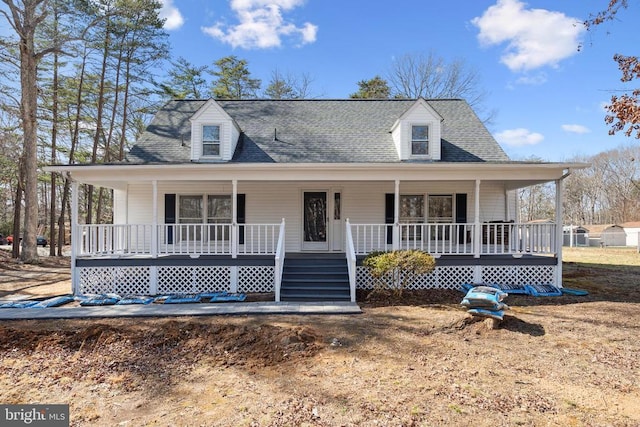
{"x": 393, "y": 270}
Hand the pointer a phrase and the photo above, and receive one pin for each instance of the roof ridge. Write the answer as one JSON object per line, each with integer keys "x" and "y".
{"x": 317, "y": 99}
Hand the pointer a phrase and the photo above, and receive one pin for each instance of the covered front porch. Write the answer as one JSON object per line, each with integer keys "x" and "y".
{"x": 472, "y": 230}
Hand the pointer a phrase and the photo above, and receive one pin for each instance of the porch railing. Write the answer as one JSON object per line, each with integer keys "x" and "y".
{"x": 176, "y": 239}
{"x": 279, "y": 261}
{"x": 457, "y": 238}
{"x": 194, "y": 239}
{"x": 438, "y": 238}
{"x": 109, "y": 239}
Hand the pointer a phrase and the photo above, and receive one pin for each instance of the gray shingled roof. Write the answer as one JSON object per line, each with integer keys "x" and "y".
{"x": 318, "y": 131}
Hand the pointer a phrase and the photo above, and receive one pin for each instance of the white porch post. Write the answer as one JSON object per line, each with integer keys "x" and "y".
{"x": 233, "y": 286}
{"x": 155, "y": 231}
{"x": 477, "y": 238}
{"x": 396, "y": 216}
{"x": 558, "y": 239}
{"x": 154, "y": 226}
{"x": 75, "y": 238}
{"x": 234, "y": 218}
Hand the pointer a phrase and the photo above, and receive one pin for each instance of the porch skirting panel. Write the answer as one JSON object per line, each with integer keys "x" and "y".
{"x": 451, "y": 277}
{"x": 153, "y": 280}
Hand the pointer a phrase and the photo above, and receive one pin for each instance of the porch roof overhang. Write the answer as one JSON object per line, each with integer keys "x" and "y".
{"x": 513, "y": 174}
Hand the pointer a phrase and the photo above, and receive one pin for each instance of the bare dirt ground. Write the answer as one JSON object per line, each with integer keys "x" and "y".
{"x": 565, "y": 361}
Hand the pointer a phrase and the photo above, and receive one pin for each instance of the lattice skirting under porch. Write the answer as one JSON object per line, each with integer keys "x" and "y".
{"x": 146, "y": 280}
{"x": 451, "y": 277}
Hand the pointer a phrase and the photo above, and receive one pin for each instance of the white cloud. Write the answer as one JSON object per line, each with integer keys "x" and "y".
{"x": 171, "y": 14}
{"x": 579, "y": 129}
{"x": 534, "y": 37}
{"x": 519, "y": 137}
{"x": 262, "y": 25}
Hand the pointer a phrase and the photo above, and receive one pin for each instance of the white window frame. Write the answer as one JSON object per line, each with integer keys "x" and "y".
{"x": 212, "y": 142}
{"x": 427, "y": 141}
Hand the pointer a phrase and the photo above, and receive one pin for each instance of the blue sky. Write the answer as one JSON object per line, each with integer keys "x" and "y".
{"x": 548, "y": 95}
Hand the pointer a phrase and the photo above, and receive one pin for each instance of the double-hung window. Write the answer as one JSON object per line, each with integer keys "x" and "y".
{"x": 211, "y": 141}
{"x": 419, "y": 140}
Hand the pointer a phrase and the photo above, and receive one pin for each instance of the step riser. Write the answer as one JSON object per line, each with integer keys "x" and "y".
{"x": 307, "y": 287}
{"x": 316, "y": 272}
{"x": 312, "y": 278}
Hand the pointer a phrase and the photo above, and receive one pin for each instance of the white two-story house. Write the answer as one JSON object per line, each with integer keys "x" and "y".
{"x": 287, "y": 196}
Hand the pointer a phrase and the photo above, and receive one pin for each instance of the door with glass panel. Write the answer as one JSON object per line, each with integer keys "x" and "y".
{"x": 314, "y": 220}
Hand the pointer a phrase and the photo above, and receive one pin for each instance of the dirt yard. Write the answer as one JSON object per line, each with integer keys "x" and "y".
{"x": 565, "y": 361}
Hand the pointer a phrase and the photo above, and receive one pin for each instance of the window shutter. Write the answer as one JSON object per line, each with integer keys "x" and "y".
{"x": 461, "y": 215}
{"x": 241, "y": 203}
{"x": 169, "y": 215}
{"x": 389, "y": 216}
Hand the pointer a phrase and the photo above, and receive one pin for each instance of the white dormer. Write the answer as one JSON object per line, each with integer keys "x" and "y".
{"x": 214, "y": 134}
{"x": 416, "y": 134}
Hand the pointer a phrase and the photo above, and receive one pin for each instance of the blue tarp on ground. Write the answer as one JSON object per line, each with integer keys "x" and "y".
{"x": 178, "y": 299}
{"x": 98, "y": 300}
{"x": 130, "y": 300}
{"x": 54, "y": 302}
{"x": 18, "y": 304}
{"x": 543, "y": 290}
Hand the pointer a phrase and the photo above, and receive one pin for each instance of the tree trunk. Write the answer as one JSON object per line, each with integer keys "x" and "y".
{"x": 17, "y": 213}
{"x": 54, "y": 136}
{"x": 28, "y": 110}
{"x": 100, "y": 109}
{"x": 74, "y": 142}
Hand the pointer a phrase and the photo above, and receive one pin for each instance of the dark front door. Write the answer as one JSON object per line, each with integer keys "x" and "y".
{"x": 315, "y": 220}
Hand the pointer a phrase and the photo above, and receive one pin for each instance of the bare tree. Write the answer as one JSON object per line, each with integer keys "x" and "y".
{"x": 288, "y": 86}
{"x": 431, "y": 76}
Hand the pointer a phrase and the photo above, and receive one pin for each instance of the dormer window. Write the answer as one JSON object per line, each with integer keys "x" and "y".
{"x": 419, "y": 140}
{"x": 211, "y": 140}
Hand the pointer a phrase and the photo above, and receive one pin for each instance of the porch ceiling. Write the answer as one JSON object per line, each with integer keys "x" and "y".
{"x": 513, "y": 174}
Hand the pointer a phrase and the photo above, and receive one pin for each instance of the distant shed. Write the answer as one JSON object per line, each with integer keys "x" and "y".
{"x": 606, "y": 235}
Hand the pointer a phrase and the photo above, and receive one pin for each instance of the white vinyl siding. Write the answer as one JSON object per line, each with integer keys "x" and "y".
{"x": 269, "y": 202}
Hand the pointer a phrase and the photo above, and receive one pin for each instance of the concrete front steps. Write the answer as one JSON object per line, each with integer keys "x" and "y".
{"x": 315, "y": 277}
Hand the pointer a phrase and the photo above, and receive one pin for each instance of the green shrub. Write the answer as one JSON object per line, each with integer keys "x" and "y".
{"x": 394, "y": 270}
